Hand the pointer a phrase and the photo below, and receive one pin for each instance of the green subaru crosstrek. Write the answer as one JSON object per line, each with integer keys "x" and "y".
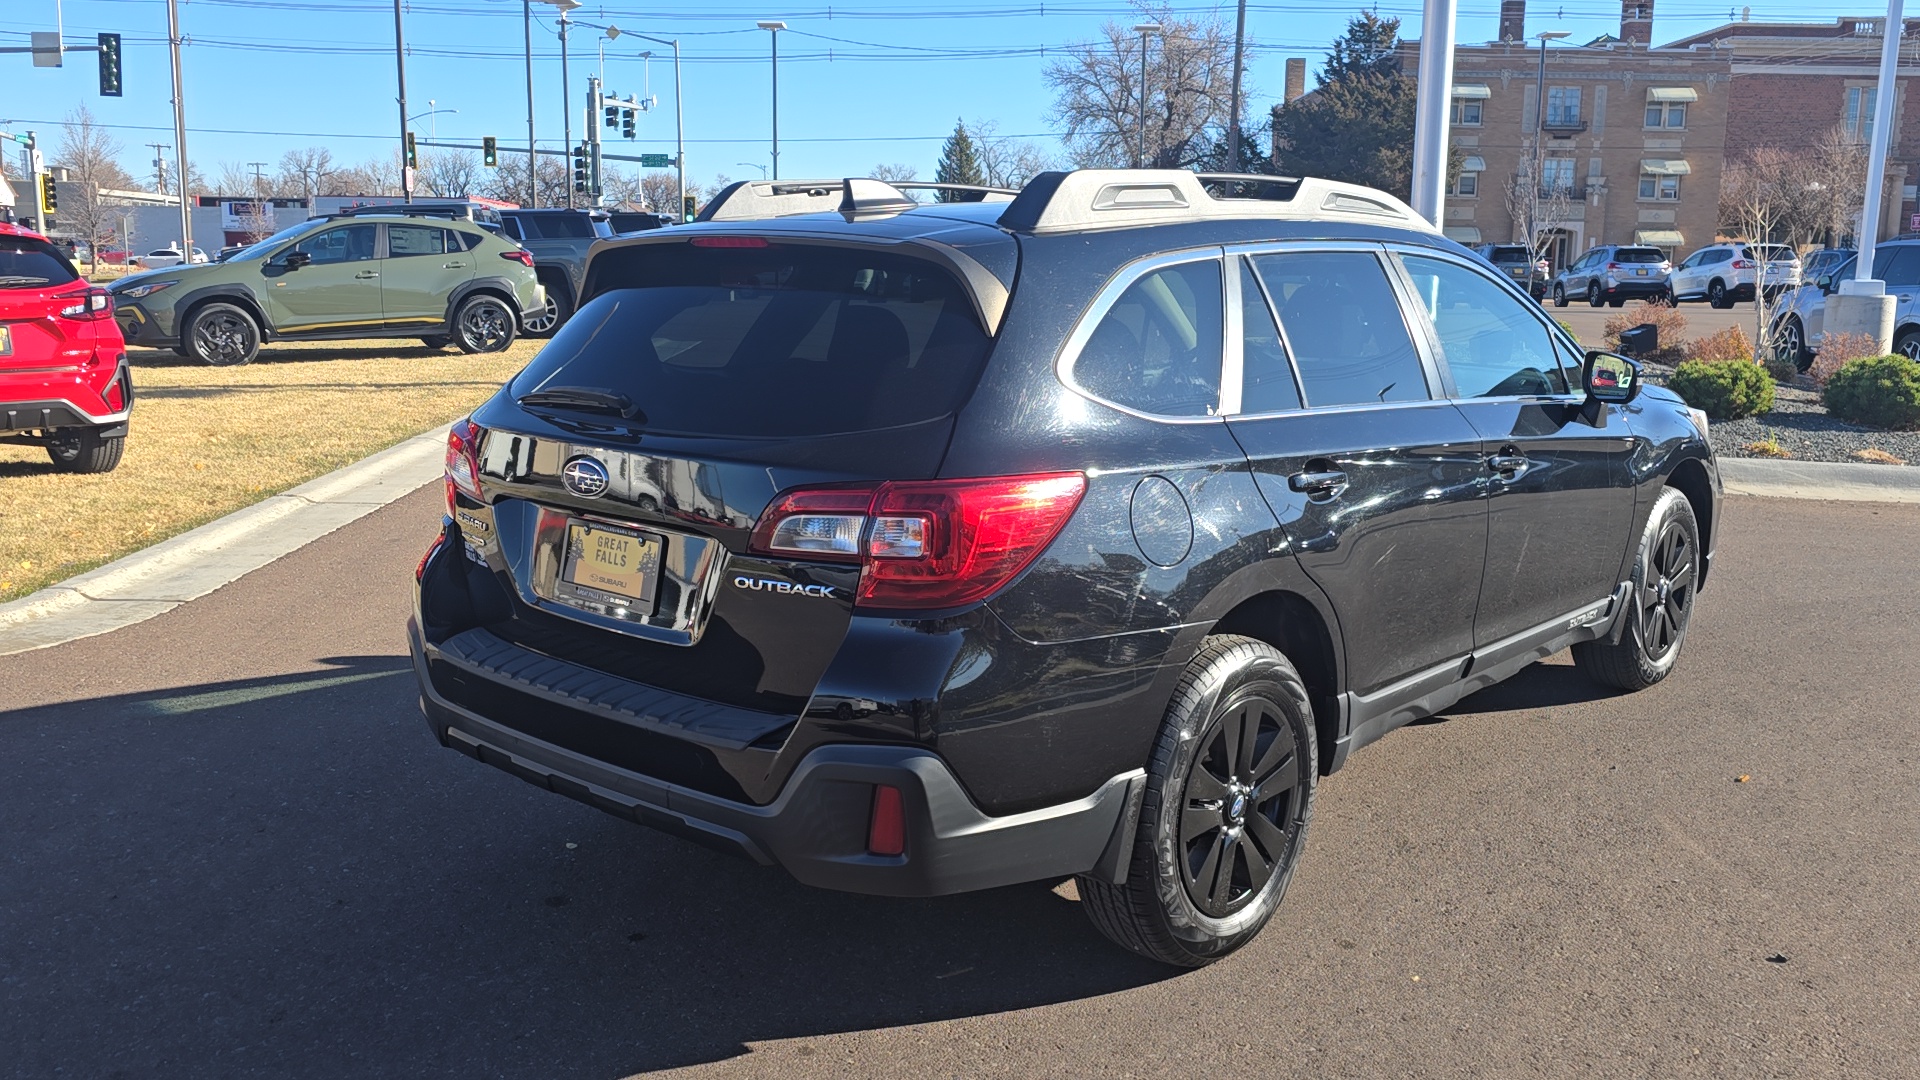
{"x": 444, "y": 280}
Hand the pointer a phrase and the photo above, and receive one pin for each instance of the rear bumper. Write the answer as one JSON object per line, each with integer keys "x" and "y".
{"x": 1631, "y": 287}
{"x": 81, "y": 401}
{"x": 817, "y": 826}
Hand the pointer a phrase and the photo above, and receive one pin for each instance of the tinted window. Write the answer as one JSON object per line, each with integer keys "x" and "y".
{"x": 27, "y": 263}
{"x": 1508, "y": 254}
{"x": 787, "y": 340}
{"x": 1267, "y": 378}
{"x": 1492, "y": 344}
{"x": 1157, "y": 349}
{"x": 1901, "y": 268}
{"x": 349, "y": 243}
{"x": 1638, "y": 255}
{"x": 404, "y": 240}
{"x": 1344, "y": 326}
{"x": 1771, "y": 252}
{"x": 556, "y": 226}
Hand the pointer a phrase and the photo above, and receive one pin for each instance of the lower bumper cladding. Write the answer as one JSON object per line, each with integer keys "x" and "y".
{"x": 820, "y": 827}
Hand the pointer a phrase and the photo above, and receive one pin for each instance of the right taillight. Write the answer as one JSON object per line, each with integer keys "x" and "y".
{"x": 924, "y": 545}
{"x": 463, "y": 461}
{"x": 519, "y": 255}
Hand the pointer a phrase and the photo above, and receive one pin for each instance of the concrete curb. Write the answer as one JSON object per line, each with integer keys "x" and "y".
{"x": 1824, "y": 480}
{"x": 193, "y": 564}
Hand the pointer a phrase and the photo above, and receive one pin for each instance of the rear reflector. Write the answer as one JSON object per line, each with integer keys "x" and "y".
{"x": 729, "y": 241}
{"x": 887, "y": 828}
{"x": 926, "y": 544}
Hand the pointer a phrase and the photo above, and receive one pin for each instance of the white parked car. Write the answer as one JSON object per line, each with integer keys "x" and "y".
{"x": 1724, "y": 274}
{"x": 1800, "y": 322}
{"x": 160, "y": 257}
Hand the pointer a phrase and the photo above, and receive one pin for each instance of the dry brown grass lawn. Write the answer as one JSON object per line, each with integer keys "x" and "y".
{"x": 206, "y": 441}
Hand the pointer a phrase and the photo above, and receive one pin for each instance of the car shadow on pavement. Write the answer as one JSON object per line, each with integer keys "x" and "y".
{"x": 288, "y": 876}
{"x": 382, "y": 350}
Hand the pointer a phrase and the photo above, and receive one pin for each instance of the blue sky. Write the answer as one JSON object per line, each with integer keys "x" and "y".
{"x": 861, "y": 83}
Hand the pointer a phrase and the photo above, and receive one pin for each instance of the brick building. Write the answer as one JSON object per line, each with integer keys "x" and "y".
{"x": 1628, "y": 140}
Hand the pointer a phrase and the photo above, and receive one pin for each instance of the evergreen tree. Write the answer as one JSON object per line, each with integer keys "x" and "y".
{"x": 959, "y": 163}
{"x": 1358, "y": 124}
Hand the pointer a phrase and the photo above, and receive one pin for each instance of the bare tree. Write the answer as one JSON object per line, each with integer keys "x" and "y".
{"x": 1765, "y": 195}
{"x": 306, "y": 172}
{"x": 450, "y": 174}
{"x": 508, "y": 182}
{"x": 622, "y": 187}
{"x": 1097, "y": 90}
{"x": 257, "y": 220}
{"x": 1537, "y": 206}
{"x": 1007, "y": 162}
{"x": 88, "y": 154}
{"x": 661, "y": 192}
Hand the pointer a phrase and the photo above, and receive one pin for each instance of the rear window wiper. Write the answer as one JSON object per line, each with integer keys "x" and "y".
{"x": 21, "y": 279}
{"x": 582, "y": 399}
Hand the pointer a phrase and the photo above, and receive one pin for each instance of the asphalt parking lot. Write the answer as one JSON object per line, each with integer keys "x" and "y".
{"x": 230, "y": 848}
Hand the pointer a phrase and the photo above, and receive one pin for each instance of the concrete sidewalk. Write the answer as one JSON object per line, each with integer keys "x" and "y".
{"x": 194, "y": 564}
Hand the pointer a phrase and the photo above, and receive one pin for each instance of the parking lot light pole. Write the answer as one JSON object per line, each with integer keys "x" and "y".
{"x": 1539, "y": 140}
{"x": 400, "y": 65}
{"x": 773, "y": 34}
{"x": 1863, "y": 305}
{"x": 1143, "y": 29}
{"x": 1433, "y": 102}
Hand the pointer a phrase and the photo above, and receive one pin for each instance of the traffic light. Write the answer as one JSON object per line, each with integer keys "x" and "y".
{"x": 626, "y": 123}
{"x": 687, "y": 207}
{"x": 49, "y": 196}
{"x": 613, "y": 115}
{"x": 109, "y": 65}
{"x": 413, "y": 158}
{"x": 490, "y": 152}
{"x": 580, "y": 167}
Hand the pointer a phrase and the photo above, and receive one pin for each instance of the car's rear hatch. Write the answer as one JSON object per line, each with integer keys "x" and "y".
{"x": 623, "y": 472}
{"x": 48, "y": 314}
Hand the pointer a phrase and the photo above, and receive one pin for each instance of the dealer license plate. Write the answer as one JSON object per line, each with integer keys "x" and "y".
{"x": 613, "y": 566}
{"x": 1642, "y": 273}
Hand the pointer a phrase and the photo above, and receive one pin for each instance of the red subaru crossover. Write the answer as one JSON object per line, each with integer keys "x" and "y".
{"x": 64, "y": 382}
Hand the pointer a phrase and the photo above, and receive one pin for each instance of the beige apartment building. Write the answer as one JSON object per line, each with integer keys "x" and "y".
{"x": 1616, "y": 142}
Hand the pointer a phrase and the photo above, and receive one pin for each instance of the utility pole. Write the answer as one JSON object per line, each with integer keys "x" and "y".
{"x": 159, "y": 166}
{"x": 259, "y": 176}
{"x": 180, "y": 130}
{"x": 533, "y": 170}
{"x": 1143, "y": 29}
{"x": 1233, "y": 117}
{"x": 400, "y": 64}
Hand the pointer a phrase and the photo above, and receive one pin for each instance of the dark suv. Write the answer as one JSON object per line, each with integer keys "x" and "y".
{"x": 919, "y": 548}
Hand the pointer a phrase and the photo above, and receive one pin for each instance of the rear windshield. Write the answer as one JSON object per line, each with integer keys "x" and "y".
{"x": 554, "y": 226}
{"x": 1771, "y": 252}
{"x": 787, "y": 340}
{"x": 1509, "y": 254}
{"x": 1638, "y": 255}
{"x": 27, "y": 263}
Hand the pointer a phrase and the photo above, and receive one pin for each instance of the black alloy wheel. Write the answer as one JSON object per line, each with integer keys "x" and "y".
{"x": 1239, "y": 808}
{"x": 483, "y": 325}
{"x": 1666, "y": 579}
{"x": 223, "y": 335}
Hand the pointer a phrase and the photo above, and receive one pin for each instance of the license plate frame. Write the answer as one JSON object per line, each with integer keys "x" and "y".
{"x": 589, "y": 578}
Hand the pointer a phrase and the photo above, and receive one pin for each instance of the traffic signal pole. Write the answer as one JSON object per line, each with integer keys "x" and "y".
{"x": 400, "y": 64}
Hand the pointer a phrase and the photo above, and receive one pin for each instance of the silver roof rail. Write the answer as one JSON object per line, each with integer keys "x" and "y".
{"x": 750, "y": 200}
{"x": 1116, "y": 198}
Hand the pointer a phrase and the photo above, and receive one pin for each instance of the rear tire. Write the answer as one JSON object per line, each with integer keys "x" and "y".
{"x": 1593, "y": 295}
{"x": 1559, "y": 296}
{"x": 483, "y": 324}
{"x": 223, "y": 335}
{"x": 1229, "y": 796}
{"x": 1793, "y": 344}
{"x": 84, "y": 451}
{"x": 1666, "y": 579}
{"x": 1717, "y": 296}
{"x": 1908, "y": 344}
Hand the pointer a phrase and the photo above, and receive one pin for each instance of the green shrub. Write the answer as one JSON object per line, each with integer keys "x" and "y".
{"x": 1878, "y": 392}
{"x": 1724, "y": 389}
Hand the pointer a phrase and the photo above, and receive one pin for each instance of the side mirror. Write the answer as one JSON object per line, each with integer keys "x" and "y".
{"x": 294, "y": 260}
{"x": 1610, "y": 378}
{"x": 1825, "y": 281}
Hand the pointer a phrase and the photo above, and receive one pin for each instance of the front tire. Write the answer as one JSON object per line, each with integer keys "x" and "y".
{"x": 544, "y": 326}
{"x": 1908, "y": 344}
{"x": 483, "y": 324}
{"x": 223, "y": 335}
{"x": 1666, "y": 579}
{"x": 1229, "y": 796}
{"x": 84, "y": 451}
{"x": 1793, "y": 344}
{"x": 1559, "y": 296}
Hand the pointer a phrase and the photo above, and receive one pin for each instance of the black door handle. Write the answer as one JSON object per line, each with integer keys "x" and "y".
{"x": 1321, "y": 485}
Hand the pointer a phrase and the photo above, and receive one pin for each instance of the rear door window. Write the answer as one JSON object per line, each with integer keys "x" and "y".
{"x": 783, "y": 340}
{"x": 1157, "y": 348}
{"x": 30, "y": 263}
{"x": 1344, "y": 326}
{"x": 404, "y": 240}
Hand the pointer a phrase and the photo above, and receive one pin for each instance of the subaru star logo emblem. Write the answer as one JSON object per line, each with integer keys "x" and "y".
{"x": 1239, "y": 806}
{"x": 585, "y": 477}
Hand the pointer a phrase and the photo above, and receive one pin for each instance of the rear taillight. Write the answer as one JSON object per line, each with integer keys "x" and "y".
{"x": 887, "y": 823}
{"x": 1612, "y": 267}
{"x": 92, "y": 304}
{"x": 463, "y": 461}
{"x": 1742, "y": 264}
{"x": 924, "y": 544}
{"x": 519, "y": 255}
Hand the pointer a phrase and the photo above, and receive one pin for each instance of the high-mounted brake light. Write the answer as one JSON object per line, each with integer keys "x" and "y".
{"x": 519, "y": 255}
{"x": 729, "y": 241}
{"x": 923, "y": 545}
{"x": 92, "y": 304}
{"x": 463, "y": 461}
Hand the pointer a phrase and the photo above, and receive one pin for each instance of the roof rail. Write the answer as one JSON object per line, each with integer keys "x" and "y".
{"x": 405, "y": 209}
{"x": 749, "y": 200}
{"x": 1116, "y": 198}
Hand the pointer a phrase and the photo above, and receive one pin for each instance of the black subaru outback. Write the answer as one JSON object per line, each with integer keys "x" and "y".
{"x": 919, "y": 548}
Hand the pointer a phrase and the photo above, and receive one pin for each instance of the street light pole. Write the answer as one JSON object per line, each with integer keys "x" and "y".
{"x": 566, "y": 86}
{"x": 400, "y": 65}
{"x": 1539, "y": 137}
{"x": 1143, "y": 29}
{"x": 773, "y": 35}
{"x": 1433, "y": 101}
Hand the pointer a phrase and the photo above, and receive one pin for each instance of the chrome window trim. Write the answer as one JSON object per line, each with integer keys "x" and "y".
{"x": 1104, "y": 300}
{"x": 1555, "y": 333}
